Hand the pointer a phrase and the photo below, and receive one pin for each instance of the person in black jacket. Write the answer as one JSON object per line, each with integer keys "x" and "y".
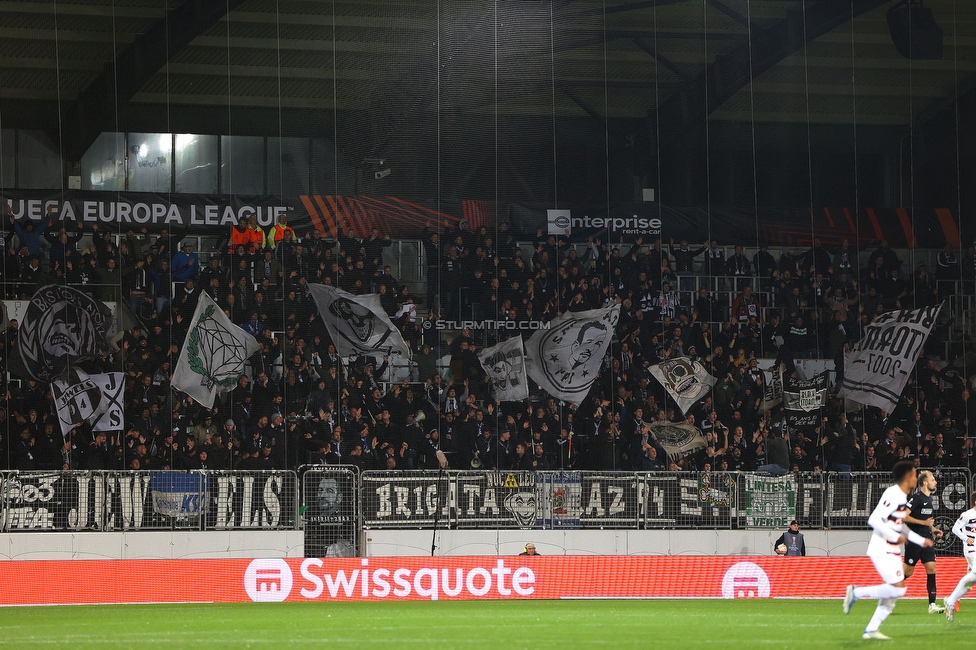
{"x": 921, "y": 520}
{"x": 791, "y": 542}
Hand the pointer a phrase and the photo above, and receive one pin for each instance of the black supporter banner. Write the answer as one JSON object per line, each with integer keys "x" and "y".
{"x": 688, "y": 500}
{"x": 81, "y": 500}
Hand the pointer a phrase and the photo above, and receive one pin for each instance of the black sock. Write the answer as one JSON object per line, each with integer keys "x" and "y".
{"x": 930, "y": 581}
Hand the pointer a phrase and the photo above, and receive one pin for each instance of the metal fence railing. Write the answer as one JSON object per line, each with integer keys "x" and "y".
{"x": 333, "y": 504}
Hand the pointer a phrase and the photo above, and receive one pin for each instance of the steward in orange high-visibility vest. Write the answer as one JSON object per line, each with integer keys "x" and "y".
{"x": 277, "y": 232}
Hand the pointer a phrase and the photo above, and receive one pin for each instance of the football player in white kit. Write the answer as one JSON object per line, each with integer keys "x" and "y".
{"x": 964, "y": 529}
{"x": 884, "y": 549}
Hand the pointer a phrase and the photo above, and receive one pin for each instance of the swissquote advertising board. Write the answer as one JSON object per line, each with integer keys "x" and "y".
{"x": 439, "y": 578}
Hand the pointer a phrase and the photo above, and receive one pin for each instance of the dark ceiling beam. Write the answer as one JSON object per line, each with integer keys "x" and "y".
{"x": 630, "y": 6}
{"x": 663, "y": 60}
{"x": 702, "y": 94}
{"x": 731, "y": 13}
{"x": 108, "y": 94}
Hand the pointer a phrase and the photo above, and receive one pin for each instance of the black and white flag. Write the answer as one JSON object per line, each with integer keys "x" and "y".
{"x": 678, "y": 439}
{"x": 805, "y": 394}
{"x": 95, "y": 399}
{"x": 566, "y": 358}
{"x": 772, "y": 387}
{"x": 877, "y": 369}
{"x": 505, "y": 366}
{"x": 686, "y": 381}
{"x": 213, "y": 354}
{"x": 358, "y": 324}
{"x": 61, "y": 327}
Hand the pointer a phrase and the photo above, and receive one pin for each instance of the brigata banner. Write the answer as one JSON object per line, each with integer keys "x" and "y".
{"x": 380, "y": 579}
{"x": 876, "y": 371}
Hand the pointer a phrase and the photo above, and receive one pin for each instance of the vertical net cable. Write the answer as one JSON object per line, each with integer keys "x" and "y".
{"x": 855, "y": 262}
{"x": 708, "y": 168}
{"x": 964, "y": 344}
{"x": 752, "y": 125}
{"x": 806, "y": 92}
{"x": 911, "y": 146}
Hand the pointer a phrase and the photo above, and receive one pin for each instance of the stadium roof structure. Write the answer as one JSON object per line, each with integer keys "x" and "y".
{"x": 382, "y": 68}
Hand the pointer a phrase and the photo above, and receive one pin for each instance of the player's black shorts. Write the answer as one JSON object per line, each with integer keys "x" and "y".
{"x": 914, "y": 553}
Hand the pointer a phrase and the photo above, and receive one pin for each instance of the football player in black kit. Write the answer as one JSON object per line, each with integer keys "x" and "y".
{"x": 921, "y": 519}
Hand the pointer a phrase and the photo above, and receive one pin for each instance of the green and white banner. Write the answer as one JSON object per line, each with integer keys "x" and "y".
{"x": 770, "y": 501}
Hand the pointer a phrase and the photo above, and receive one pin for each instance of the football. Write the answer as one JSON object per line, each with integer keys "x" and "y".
{"x": 781, "y": 549}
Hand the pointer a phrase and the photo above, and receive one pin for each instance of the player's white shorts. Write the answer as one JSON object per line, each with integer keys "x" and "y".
{"x": 970, "y": 559}
{"x": 889, "y": 567}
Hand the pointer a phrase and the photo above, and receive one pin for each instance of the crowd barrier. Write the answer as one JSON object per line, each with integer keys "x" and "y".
{"x": 441, "y": 578}
{"x": 333, "y": 503}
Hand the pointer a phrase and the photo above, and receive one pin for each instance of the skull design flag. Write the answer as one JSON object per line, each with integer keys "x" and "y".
{"x": 358, "y": 325}
{"x": 213, "y": 354}
{"x": 685, "y": 380}
{"x": 61, "y": 327}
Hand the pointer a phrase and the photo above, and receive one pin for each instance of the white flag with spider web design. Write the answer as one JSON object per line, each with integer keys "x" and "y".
{"x": 213, "y": 355}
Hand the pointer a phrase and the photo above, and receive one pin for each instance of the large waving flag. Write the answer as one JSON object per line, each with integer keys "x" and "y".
{"x": 686, "y": 381}
{"x": 61, "y": 327}
{"x": 213, "y": 355}
{"x": 505, "y": 365}
{"x": 358, "y": 324}
{"x": 566, "y": 358}
{"x": 877, "y": 369}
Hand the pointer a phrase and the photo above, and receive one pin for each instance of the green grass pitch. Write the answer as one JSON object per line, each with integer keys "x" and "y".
{"x": 509, "y": 625}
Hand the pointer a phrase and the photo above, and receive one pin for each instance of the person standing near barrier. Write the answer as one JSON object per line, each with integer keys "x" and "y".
{"x": 964, "y": 529}
{"x": 890, "y": 531}
{"x": 921, "y": 520}
{"x": 791, "y": 542}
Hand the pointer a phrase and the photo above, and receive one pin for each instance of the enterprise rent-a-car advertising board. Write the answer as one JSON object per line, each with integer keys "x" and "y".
{"x": 439, "y": 578}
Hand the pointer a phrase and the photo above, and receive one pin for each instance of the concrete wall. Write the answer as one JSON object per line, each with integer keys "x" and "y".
{"x": 379, "y": 543}
{"x": 152, "y": 545}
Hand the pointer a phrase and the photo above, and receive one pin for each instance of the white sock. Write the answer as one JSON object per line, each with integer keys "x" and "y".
{"x": 965, "y": 584}
{"x": 885, "y": 607}
{"x": 879, "y": 591}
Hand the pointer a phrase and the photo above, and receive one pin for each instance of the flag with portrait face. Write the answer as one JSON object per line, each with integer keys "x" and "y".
{"x": 565, "y": 359}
